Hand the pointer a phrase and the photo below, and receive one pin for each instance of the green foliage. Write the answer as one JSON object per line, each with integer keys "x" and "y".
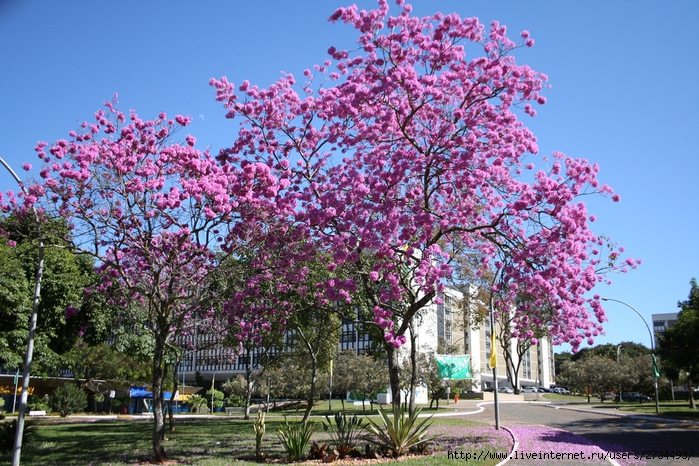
{"x": 259, "y": 427}
{"x": 65, "y": 277}
{"x": 399, "y": 434}
{"x": 218, "y": 397}
{"x": 609, "y": 351}
{"x": 196, "y": 402}
{"x": 68, "y": 399}
{"x": 235, "y": 400}
{"x": 344, "y": 433}
{"x": 678, "y": 346}
{"x": 40, "y": 404}
{"x": 295, "y": 439}
{"x": 7, "y": 435}
{"x": 104, "y": 361}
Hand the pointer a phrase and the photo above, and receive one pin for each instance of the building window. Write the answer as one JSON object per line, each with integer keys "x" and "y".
{"x": 527, "y": 364}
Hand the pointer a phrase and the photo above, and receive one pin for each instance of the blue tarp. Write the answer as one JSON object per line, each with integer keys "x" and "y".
{"x": 142, "y": 392}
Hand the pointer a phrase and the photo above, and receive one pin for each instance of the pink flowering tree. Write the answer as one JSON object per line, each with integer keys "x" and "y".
{"x": 413, "y": 141}
{"x": 151, "y": 212}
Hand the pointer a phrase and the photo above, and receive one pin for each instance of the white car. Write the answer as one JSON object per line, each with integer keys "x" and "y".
{"x": 529, "y": 390}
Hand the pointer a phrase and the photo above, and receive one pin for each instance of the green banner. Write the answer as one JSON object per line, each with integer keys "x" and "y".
{"x": 453, "y": 367}
{"x": 656, "y": 371}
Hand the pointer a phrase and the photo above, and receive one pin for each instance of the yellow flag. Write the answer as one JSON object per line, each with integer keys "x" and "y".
{"x": 493, "y": 352}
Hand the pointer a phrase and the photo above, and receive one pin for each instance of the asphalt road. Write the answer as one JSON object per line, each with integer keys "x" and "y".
{"x": 636, "y": 434}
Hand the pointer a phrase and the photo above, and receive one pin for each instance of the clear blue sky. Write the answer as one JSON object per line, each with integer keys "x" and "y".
{"x": 624, "y": 79}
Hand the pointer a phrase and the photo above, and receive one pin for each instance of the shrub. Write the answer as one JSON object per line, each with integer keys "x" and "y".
{"x": 295, "y": 439}
{"x": 345, "y": 433}
{"x": 196, "y": 402}
{"x": 217, "y": 399}
{"x": 68, "y": 399}
{"x": 40, "y": 404}
{"x": 400, "y": 434}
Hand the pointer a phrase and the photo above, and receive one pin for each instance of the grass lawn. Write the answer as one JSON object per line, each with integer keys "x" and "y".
{"x": 677, "y": 409}
{"x": 221, "y": 441}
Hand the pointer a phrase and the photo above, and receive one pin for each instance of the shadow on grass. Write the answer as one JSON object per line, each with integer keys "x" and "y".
{"x": 213, "y": 441}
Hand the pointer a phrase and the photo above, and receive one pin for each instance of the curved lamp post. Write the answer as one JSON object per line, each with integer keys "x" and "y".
{"x": 652, "y": 350}
{"x": 17, "y": 449}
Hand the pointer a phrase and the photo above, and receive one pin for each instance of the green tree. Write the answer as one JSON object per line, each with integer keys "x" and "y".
{"x": 68, "y": 399}
{"x": 598, "y": 373}
{"x": 64, "y": 312}
{"x": 678, "y": 347}
{"x": 214, "y": 399}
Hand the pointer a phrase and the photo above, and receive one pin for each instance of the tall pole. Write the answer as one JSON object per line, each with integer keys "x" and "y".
{"x": 618, "y": 354}
{"x": 17, "y": 449}
{"x": 493, "y": 348}
{"x": 652, "y": 350}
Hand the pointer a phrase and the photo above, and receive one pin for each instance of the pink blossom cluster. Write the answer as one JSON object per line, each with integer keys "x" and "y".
{"x": 397, "y": 150}
{"x": 381, "y": 162}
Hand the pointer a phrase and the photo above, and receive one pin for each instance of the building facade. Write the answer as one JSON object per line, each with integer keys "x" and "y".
{"x": 662, "y": 322}
{"x": 441, "y": 326}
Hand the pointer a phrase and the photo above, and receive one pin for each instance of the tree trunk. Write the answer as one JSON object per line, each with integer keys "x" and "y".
{"x": 392, "y": 354}
{"x": 248, "y": 384}
{"x": 171, "y": 415}
{"x": 312, "y": 391}
{"x": 692, "y": 402}
{"x": 413, "y": 368}
{"x": 158, "y": 399}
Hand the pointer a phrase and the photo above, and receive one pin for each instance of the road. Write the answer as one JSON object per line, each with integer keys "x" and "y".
{"x": 636, "y": 434}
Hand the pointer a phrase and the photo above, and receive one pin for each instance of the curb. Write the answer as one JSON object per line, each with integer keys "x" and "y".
{"x": 515, "y": 444}
{"x": 626, "y": 414}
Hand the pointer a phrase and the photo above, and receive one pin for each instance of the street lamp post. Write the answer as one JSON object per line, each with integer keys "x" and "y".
{"x": 652, "y": 349}
{"x": 19, "y": 434}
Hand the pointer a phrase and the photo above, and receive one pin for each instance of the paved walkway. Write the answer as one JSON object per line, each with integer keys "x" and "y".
{"x": 542, "y": 445}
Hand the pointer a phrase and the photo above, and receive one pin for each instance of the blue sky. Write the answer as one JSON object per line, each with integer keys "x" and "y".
{"x": 623, "y": 77}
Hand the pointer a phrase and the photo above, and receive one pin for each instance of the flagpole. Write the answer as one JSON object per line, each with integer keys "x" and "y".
{"x": 14, "y": 400}
{"x": 494, "y": 352}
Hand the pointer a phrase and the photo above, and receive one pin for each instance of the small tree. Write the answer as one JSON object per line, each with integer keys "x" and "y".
{"x": 215, "y": 396}
{"x": 196, "y": 402}
{"x": 68, "y": 399}
{"x": 679, "y": 345}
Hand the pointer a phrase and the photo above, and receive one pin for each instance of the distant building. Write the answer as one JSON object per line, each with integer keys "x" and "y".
{"x": 437, "y": 323}
{"x": 662, "y": 322}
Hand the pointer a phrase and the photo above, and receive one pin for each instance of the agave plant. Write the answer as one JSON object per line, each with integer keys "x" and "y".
{"x": 398, "y": 434}
{"x": 295, "y": 438}
{"x": 344, "y": 432}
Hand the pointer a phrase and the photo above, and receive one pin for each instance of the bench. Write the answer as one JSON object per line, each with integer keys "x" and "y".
{"x": 362, "y": 404}
{"x": 231, "y": 410}
{"x": 37, "y": 413}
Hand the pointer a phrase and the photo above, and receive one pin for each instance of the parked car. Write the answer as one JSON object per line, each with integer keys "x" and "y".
{"x": 529, "y": 390}
{"x": 560, "y": 390}
{"x": 505, "y": 390}
{"x": 608, "y": 396}
{"x": 634, "y": 396}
